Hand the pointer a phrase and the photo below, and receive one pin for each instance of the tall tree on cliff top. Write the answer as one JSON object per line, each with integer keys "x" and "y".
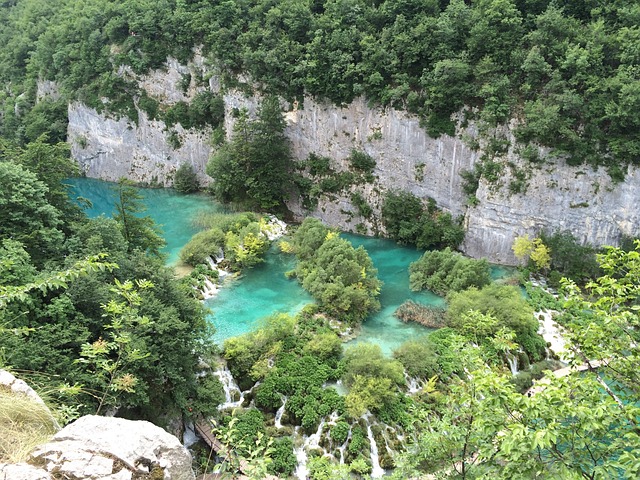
{"x": 254, "y": 169}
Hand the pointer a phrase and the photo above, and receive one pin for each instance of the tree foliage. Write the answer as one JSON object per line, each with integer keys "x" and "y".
{"x": 185, "y": 179}
{"x": 341, "y": 278}
{"x": 569, "y": 73}
{"x": 506, "y": 308}
{"x": 445, "y": 271}
{"x": 254, "y": 169}
{"x": 408, "y": 221}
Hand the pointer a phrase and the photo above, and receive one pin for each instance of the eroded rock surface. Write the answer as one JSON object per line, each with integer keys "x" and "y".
{"x": 101, "y": 448}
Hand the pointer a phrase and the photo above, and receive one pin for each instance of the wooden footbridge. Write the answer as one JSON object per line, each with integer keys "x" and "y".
{"x": 204, "y": 429}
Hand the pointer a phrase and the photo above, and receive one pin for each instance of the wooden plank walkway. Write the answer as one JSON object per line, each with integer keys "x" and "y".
{"x": 205, "y": 431}
{"x": 563, "y": 372}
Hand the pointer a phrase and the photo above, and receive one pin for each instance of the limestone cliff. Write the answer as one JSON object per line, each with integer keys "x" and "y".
{"x": 558, "y": 196}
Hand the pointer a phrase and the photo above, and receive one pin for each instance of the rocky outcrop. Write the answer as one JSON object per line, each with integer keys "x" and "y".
{"x": 558, "y": 196}
{"x": 22, "y": 471}
{"x": 19, "y": 387}
{"x": 101, "y": 448}
{"x": 581, "y": 200}
{"x": 92, "y": 447}
{"x": 112, "y": 148}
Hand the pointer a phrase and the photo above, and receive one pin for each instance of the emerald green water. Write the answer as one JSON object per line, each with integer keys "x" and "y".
{"x": 173, "y": 212}
{"x": 392, "y": 262}
{"x": 259, "y": 292}
{"x": 264, "y": 290}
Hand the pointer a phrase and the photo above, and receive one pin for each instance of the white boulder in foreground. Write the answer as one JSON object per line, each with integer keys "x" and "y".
{"x": 108, "y": 448}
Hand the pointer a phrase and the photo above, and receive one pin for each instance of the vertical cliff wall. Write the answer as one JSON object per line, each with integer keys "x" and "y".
{"x": 557, "y": 196}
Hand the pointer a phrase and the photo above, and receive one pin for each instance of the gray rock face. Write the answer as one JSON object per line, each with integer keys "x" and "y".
{"x": 19, "y": 386}
{"x": 110, "y": 148}
{"x": 577, "y": 199}
{"x": 101, "y": 448}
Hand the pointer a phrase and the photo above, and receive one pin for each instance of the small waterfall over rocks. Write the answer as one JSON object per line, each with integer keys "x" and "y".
{"x": 413, "y": 385}
{"x": 301, "y": 471}
{"x": 376, "y": 470}
{"x": 342, "y": 448}
{"x": 229, "y": 386}
{"x": 513, "y": 362}
{"x": 189, "y": 436}
{"x": 277, "y": 422}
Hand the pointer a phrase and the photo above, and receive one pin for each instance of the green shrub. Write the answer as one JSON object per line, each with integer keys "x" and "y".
{"x": 341, "y": 278}
{"x": 507, "y": 306}
{"x": 283, "y": 461}
{"x": 418, "y": 357}
{"x": 408, "y": 221}
{"x": 185, "y": 179}
{"x": 361, "y": 162}
{"x": 202, "y": 245}
{"x": 446, "y": 271}
{"x": 340, "y": 432}
{"x": 569, "y": 258}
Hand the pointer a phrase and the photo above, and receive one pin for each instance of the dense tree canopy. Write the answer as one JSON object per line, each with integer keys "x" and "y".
{"x": 567, "y": 71}
{"x": 341, "y": 278}
{"x": 254, "y": 169}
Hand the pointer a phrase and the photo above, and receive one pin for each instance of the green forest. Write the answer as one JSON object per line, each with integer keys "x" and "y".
{"x": 93, "y": 317}
{"x": 567, "y": 71}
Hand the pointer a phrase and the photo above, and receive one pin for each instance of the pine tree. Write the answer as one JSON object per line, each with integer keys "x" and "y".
{"x": 139, "y": 232}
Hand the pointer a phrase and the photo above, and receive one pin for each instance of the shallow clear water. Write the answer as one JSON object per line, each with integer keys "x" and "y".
{"x": 259, "y": 292}
{"x": 392, "y": 262}
{"x": 171, "y": 210}
{"x": 264, "y": 290}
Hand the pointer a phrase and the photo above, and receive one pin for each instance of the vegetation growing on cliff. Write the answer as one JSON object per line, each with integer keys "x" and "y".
{"x": 567, "y": 71}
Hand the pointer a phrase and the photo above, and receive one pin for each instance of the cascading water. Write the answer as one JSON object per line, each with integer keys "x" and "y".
{"x": 229, "y": 385}
{"x": 314, "y": 440}
{"x": 376, "y": 470}
{"x": 277, "y": 422}
{"x": 412, "y": 383}
{"x": 209, "y": 289}
{"x": 513, "y": 362}
{"x": 342, "y": 448}
{"x": 301, "y": 471}
{"x": 189, "y": 436}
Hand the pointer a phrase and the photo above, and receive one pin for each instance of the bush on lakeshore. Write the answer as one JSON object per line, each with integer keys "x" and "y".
{"x": 185, "y": 179}
{"x": 446, "y": 271}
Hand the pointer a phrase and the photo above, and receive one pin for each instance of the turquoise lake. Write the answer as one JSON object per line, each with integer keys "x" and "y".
{"x": 173, "y": 212}
{"x": 264, "y": 290}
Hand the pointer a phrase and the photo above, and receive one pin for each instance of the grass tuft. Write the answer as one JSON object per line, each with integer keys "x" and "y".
{"x": 24, "y": 424}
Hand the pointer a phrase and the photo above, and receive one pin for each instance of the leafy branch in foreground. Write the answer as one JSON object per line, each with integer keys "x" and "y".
{"x": 112, "y": 357}
{"x": 52, "y": 281}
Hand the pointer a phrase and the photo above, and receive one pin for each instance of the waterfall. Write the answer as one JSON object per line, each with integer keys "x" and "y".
{"x": 412, "y": 384}
{"x": 342, "y": 448}
{"x": 279, "y": 413}
{"x": 209, "y": 289}
{"x": 376, "y": 470}
{"x": 189, "y": 436}
{"x": 301, "y": 471}
{"x": 513, "y": 362}
{"x": 314, "y": 440}
{"x": 212, "y": 263}
{"x": 229, "y": 385}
